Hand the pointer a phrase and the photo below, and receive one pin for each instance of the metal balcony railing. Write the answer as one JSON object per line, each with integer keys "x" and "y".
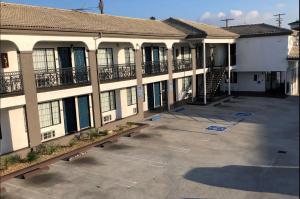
{"x": 116, "y": 72}
{"x": 62, "y": 77}
{"x": 11, "y": 82}
{"x": 180, "y": 65}
{"x": 155, "y": 68}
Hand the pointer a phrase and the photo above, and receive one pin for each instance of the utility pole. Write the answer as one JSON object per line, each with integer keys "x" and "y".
{"x": 279, "y": 19}
{"x": 101, "y": 6}
{"x": 226, "y": 21}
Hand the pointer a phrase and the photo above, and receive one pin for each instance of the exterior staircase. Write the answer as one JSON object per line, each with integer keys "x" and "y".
{"x": 213, "y": 81}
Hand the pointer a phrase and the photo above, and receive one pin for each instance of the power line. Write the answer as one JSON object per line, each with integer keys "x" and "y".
{"x": 279, "y": 19}
{"x": 226, "y": 21}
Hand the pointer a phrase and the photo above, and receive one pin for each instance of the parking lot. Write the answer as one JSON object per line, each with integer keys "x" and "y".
{"x": 256, "y": 156}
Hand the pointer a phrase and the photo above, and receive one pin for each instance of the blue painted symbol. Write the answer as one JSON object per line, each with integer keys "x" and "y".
{"x": 243, "y": 114}
{"x": 216, "y": 128}
{"x": 179, "y": 109}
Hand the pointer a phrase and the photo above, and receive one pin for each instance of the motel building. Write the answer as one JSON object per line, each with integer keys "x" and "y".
{"x": 66, "y": 71}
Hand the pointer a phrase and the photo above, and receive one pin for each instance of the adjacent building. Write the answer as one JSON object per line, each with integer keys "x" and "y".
{"x": 262, "y": 59}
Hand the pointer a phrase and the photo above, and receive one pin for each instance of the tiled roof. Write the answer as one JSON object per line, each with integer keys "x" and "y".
{"x": 17, "y": 16}
{"x": 258, "y": 30}
{"x": 195, "y": 29}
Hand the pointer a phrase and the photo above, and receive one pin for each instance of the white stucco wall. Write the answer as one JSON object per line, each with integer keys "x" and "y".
{"x": 245, "y": 82}
{"x": 13, "y": 127}
{"x": 126, "y": 110}
{"x": 262, "y": 53}
{"x": 11, "y": 50}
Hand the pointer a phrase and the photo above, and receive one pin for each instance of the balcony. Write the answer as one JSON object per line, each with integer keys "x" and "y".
{"x": 155, "y": 68}
{"x": 62, "y": 77}
{"x": 11, "y": 83}
{"x": 117, "y": 72}
{"x": 181, "y": 65}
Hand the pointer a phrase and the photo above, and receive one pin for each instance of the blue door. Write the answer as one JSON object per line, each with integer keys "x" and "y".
{"x": 157, "y": 95}
{"x": 79, "y": 56}
{"x": 155, "y": 54}
{"x": 80, "y": 64}
{"x": 150, "y": 96}
{"x": 84, "y": 113}
{"x": 70, "y": 115}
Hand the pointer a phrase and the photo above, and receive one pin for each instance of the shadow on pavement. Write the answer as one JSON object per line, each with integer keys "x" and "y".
{"x": 280, "y": 180}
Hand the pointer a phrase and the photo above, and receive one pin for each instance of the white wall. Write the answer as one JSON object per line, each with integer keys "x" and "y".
{"x": 13, "y": 62}
{"x": 262, "y": 53}
{"x": 13, "y": 127}
{"x": 125, "y": 109}
{"x": 245, "y": 82}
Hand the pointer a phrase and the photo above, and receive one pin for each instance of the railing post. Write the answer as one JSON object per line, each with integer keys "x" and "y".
{"x": 30, "y": 91}
{"x": 170, "y": 80}
{"x": 204, "y": 73}
{"x": 139, "y": 78}
{"x": 96, "y": 90}
{"x": 229, "y": 71}
{"x": 194, "y": 85}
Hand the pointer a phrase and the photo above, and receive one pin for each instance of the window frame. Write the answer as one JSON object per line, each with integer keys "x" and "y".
{"x": 110, "y": 94}
{"x": 128, "y": 54}
{"x": 106, "y": 57}
{"x": 51, "y": 114}
{"x": 46, "y": 59}
{"x": 131, "y": 99}
{"x": 184, "y": 86}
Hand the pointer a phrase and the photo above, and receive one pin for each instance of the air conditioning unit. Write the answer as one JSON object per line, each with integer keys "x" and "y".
{"x": 134, "y": 110}
{"x": 107, "y": 118}
{"x": 48, "y": 135}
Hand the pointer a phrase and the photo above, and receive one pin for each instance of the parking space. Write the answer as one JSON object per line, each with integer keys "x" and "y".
{"x": 256, "y": 156}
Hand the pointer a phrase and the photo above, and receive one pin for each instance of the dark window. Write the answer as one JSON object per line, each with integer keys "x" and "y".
{"x": 0, "y": 134}
{"x": 233, "y": 54}
{"x": 255, "y": 78}
{"x": 233, "y": 77}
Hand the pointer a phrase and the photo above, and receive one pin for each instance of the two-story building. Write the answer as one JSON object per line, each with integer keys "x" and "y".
{"x": 261, "y": 60}
{"x": 65, "y": 71}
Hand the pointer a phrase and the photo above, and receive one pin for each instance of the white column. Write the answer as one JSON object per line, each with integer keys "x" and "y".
{"x": 204, "y": 73}
{"x": 229, "y": 71}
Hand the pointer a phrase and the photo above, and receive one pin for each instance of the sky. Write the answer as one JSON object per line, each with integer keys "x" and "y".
{"x": 206, "y": 11}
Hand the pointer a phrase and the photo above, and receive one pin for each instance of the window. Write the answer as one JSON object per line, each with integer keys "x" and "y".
{"x": 129, "y": 56}
{"x": 186, "y": 83}
{"x": 163, "y": 54}
{"x": 105, "y": 57}
{"x": 48, "y": 135}
{"x": 108, "y": 101}
{"x": 43, "y": 59}
{"x": 49, "y": 114}
{"x": 185, "y": 53}
{"x": 232, "y": 54}
{"x": 131, "y": 96}
{"x": 255, "y": 78}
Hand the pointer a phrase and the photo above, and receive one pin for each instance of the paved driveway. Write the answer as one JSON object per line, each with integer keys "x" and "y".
{"x": 257, "y": 156}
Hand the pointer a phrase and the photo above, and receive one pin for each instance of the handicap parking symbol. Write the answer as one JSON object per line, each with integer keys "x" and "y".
{"x": 216, "y": 128}
{"x": 243, "y": 114}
